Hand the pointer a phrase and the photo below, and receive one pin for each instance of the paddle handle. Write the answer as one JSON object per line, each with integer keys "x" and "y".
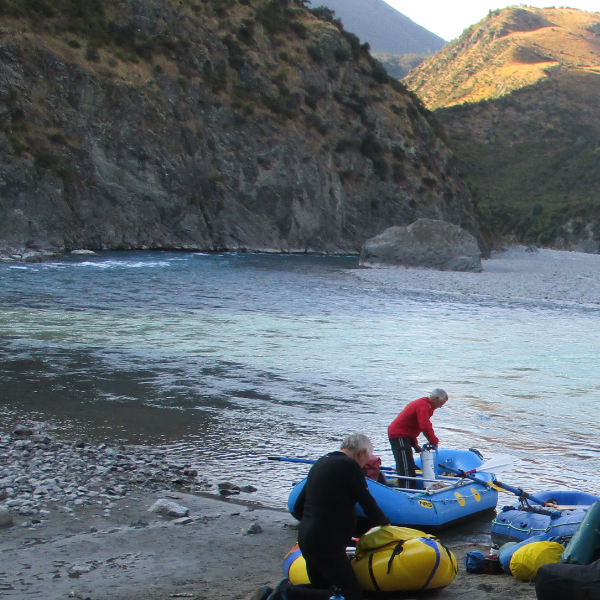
{"x": 307, "y": 461}
{"x": 509, "y": 488}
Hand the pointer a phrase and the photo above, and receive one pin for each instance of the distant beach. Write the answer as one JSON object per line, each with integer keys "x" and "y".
{"x": 516, "y": 274}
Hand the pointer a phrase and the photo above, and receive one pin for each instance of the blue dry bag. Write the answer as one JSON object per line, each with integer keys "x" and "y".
{"x": 474, "y": 562}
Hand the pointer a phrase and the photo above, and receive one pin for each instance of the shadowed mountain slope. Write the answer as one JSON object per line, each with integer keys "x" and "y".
{"x": 250, "y": 125}
{"x": 386, "y": 29}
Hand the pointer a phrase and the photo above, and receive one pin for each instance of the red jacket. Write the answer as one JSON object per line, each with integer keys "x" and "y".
{"x": 413, "y": 420}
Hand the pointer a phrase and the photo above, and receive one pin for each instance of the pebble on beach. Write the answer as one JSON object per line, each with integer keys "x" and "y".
{"x": 168, "y": 508}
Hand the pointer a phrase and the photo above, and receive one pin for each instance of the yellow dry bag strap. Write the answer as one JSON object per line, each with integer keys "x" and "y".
{"x": 373, "y": 580}
{"x": 395, "y": 553}
{"x": 432, "y": 544}
{"x": 397, "y": 550}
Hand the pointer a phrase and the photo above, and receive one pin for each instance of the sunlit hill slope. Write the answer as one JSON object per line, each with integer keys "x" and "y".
{"x": 519, "y": 96}
{"x": 508, "y": 50}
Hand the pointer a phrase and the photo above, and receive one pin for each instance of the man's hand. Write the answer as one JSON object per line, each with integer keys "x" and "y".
{"x": 417, "y": 448}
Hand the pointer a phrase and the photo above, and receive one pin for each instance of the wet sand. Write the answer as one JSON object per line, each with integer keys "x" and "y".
{"x": 134, "y": 554}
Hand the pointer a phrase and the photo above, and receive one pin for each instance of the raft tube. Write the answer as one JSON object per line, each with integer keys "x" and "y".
{"x": 457, "y": 500}
{"x": 516, "y": 523}
{"x": 584, "y": 547}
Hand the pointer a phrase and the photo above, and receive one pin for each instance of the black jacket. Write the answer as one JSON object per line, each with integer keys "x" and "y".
{"x": 326, "y": 505}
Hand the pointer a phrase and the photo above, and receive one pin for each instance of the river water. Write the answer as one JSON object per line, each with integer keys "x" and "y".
{"x": 226, "y": 359}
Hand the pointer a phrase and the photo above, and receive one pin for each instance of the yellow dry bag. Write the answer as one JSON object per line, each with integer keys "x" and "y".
{"x": 526, "y": 561}
{"x": 390, "y": 559}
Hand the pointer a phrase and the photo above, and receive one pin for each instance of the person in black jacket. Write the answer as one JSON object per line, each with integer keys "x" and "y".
{"x": 326, "y": 509}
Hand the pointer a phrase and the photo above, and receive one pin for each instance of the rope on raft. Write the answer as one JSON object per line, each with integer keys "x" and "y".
{"x": 530, "y": 529}
{"x": 431, "y": 499}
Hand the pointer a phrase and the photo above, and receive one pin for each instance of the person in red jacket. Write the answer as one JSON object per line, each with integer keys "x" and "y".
{"x": 413, "y": 420}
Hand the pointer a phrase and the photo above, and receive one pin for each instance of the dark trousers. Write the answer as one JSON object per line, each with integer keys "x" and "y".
{"x": 327, "y": 567}
{"x": 405, "y": 463}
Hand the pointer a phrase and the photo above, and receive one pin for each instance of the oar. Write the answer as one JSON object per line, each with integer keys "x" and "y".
{"x": 503, "y": 462}
{"x": 307, "y": 461}
{"x": 498, "y": 485}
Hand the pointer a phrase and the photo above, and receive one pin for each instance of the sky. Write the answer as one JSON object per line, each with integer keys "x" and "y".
{"x": 449, "y": 18}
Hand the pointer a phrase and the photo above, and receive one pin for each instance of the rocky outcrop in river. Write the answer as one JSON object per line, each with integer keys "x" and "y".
{"x": 426, "y": 243}
{"x": 214, "y": 125}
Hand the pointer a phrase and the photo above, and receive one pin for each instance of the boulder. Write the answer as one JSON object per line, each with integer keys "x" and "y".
{"x": 169, "y": 509}
{"x": 426, "y": 243}
{"x": 5, "y": 516}
{"x": 21, "y": 431}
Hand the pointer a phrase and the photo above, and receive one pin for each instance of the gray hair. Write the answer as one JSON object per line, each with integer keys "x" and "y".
{"x": 357, "y": 442}
{"x": 438, "y": 393}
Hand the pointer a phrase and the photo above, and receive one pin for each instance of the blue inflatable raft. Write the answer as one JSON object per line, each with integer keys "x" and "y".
{"x": 520, "y": 522}
{"x": 454, "y": 499}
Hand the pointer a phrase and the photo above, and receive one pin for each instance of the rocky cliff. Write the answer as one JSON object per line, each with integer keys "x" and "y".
{"x": 207, "y": 125}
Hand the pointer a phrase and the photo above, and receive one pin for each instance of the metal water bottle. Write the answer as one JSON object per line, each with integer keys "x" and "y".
{"x": 429, "y": 462}
{"x": 491, "y": 564}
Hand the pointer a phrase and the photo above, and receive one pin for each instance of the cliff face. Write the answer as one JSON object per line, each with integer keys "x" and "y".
{"x": 215, "y": 125}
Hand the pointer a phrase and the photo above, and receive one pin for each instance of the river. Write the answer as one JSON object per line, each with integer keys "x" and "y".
{"x": 227, "y": 359}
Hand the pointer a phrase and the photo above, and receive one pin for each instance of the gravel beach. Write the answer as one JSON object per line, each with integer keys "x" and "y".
{"x": 517, "y": 274}
{"x": 75, "y": 518}
{"x": 113, "y": 537}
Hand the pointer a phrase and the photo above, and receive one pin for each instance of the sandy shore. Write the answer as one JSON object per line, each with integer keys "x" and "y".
{"x": 135, "y": 554}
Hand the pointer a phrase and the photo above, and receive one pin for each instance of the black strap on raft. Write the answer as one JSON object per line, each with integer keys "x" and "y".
{"x": 526, "y": 507}
{"x": 537, "y": 511}
{"x": 373, "y": 580}
{"x": 450, "y": 557}
{"x": 397, "y": 550}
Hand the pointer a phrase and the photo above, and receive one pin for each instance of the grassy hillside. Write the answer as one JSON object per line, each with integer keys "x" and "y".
{"x": 519, "y": 96}
{"x": 508, "y": 50}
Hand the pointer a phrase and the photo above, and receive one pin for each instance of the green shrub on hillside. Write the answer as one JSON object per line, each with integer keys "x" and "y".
{"x": 235, "y": 54}
{"x": 278, "y": 18}
{"x": 379, "y": 73}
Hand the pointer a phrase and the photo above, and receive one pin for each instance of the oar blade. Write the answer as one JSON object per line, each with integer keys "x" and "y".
{"x": 498, "y": 464}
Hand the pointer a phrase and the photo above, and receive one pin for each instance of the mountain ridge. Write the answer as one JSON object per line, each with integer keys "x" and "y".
{"x": 386, "y": 29}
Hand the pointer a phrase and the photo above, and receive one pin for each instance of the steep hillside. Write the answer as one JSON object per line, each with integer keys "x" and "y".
{"x": 527, "y": 135}
{"x": 214, "y": 124}
{"x": 399, "y": 65}
{"x": 508, "y": 50}
{"x": 383, "y": 27}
